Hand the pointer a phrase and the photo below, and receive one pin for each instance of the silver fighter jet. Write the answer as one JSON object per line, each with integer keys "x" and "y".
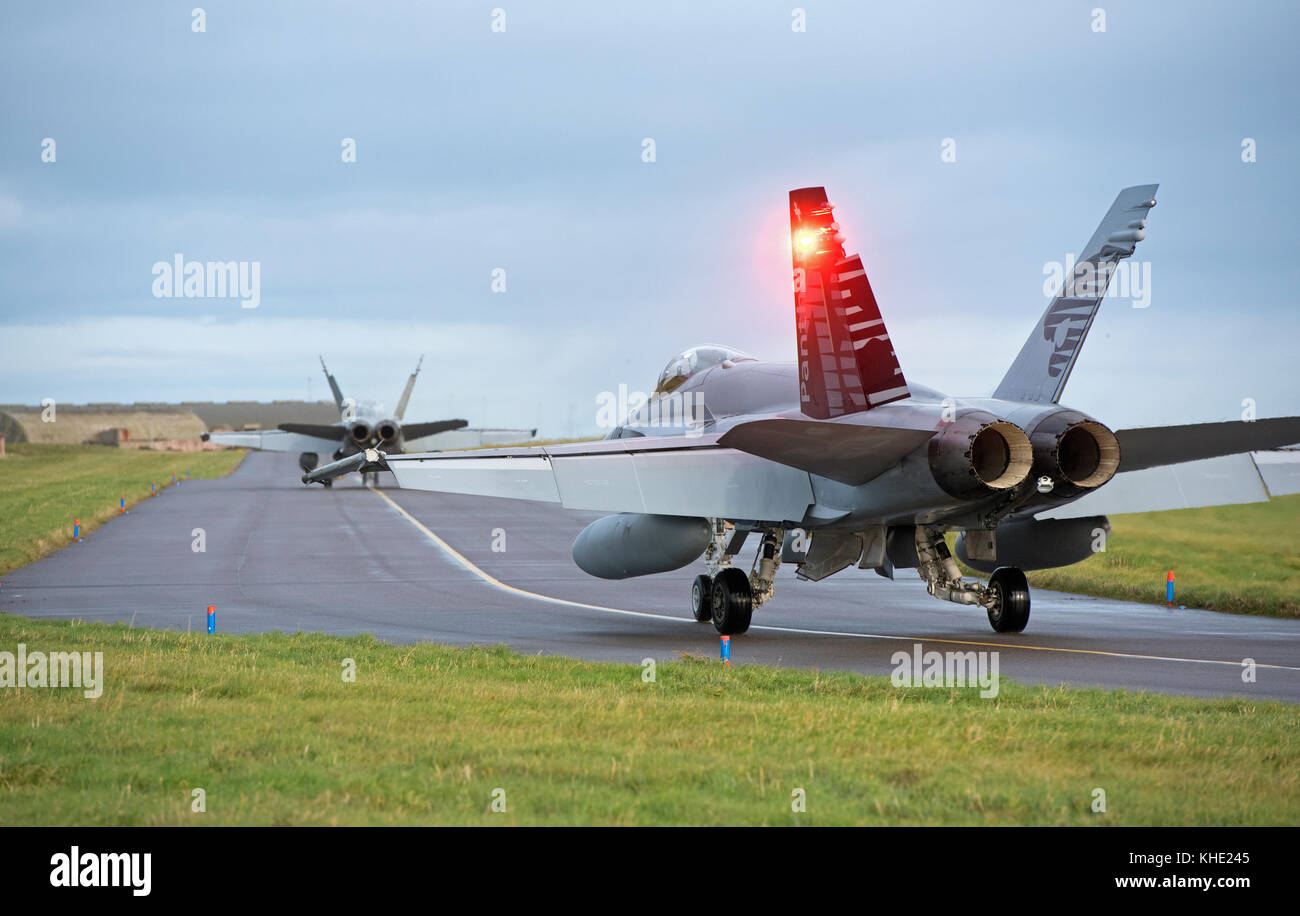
{"x": 361, "y": 425}
{"x": 837, "y": 459}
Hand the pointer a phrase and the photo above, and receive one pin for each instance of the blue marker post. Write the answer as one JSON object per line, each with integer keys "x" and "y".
{"x": 726, "y": 650}
{"x": 212, "y": 618}
{"x": 1169, "y": 589}
{"x": 121, "y": 504}
{"x": 153, "y": 487}
{"x": 76, "y": 529}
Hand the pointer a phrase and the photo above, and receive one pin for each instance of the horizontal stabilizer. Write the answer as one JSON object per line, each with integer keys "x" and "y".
{"x": 846, "y": 453}
{"x": 1161, "y": 445}
{"x": 315, "y": 430}
{"x": 420, "y": 430}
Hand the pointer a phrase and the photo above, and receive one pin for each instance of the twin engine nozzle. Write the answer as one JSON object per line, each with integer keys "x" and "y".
{"x": 385, "y": 432}
{"x": 978, "y": 454}
{"x": 1074, "y": 452}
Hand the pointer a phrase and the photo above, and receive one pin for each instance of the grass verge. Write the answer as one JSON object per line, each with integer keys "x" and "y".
{"x": 269, "y": 729}
{"x": 44, "y": 488}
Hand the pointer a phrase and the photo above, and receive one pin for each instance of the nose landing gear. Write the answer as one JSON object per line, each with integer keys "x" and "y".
{"x": 727, "y": 597}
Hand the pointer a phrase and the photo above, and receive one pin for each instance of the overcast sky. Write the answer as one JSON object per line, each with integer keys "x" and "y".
{"x": 522, "y": 150}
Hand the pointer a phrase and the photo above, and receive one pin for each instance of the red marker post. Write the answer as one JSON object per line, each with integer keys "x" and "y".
{"x": 1169, "y": 589}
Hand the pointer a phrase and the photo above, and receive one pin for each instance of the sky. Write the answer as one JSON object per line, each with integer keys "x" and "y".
{"x": 484, "y": 154}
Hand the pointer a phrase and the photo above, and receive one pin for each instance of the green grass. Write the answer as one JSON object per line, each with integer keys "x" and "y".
{"x": 271, "y": 732}
{"x": 44, "y": 488}
{"x": 1240, "y": 559}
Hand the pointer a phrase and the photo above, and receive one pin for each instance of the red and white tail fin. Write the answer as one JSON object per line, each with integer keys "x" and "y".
{"x": 846, "y": 361}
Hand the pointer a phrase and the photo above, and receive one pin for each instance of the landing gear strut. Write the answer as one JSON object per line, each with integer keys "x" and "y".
{"x": 727, "y": 596}
{"x": 1005, "y": 598}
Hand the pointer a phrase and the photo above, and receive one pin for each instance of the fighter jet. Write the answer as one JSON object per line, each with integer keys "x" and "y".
{"x": 838, "y": 459}
{"x": 361, "y": 425}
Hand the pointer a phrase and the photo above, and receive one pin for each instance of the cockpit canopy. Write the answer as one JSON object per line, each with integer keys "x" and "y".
{"x": 696, "y": 359}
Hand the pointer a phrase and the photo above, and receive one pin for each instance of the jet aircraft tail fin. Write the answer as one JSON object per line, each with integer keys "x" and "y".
{"x": 1043, "y": 367}
{"x": 846, "y": 361}
{"x": 406, "y": 392}
{"x": 334, "y": 386}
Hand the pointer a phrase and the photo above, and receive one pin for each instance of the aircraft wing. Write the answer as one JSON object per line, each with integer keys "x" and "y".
{"x": 669, "y": 475}
{"x": 1203, "y": 464}
{"x": 464, "y": 437}
{"x": 1280, "y": 470}
{"x": 276, "y": 440}
{"x": 1223, "y": 481}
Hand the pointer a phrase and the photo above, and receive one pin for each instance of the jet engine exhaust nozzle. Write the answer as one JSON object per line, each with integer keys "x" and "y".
{"x": 1075, "y": 451}
{"x": 360, "y": 432}
{"x": 388, "y": 431}
{"x": 978, "y": 454}
{"x": 1088, "y": 454}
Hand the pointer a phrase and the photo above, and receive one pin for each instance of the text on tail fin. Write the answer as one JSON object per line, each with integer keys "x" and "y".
{"x": 847, "y": 363}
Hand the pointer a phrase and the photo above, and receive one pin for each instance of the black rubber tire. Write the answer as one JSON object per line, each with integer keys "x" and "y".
{"x": 1010, "y": 611}
{"x": 733, "y": 603}
{"x": 702, "y": 599}
{"x": 328, "y": 483}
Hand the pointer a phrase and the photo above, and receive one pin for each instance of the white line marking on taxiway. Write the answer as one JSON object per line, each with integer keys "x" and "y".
{"x": 497, "y": 583}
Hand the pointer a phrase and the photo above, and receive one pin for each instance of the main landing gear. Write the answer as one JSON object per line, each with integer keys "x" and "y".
{"x": 1008, "y": 607}
{"x": 1005, "y": 598}
{"x": 727, "y": 596}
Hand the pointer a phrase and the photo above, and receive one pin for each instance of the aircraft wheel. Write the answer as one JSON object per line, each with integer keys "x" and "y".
{"x": 702, "y": 599}
{"x": 732, "y": 601}
{"x": 328, "y": 483}
{"x": 1010, "y": 609}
